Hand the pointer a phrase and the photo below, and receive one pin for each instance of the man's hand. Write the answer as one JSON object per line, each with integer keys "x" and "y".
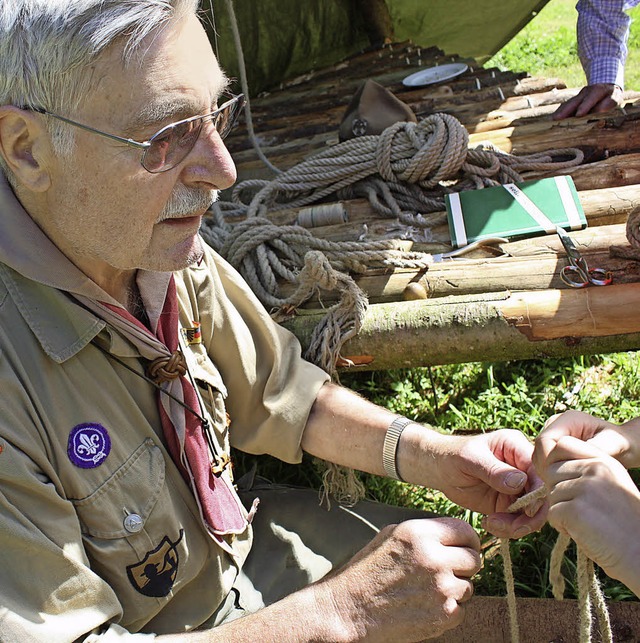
{"x": 487, "y": 473}
{"x": 408, "y": 584}
{"x": 620, "y": 442}
{"x": 595, "y": 502}
{"x": 592, "y": 99}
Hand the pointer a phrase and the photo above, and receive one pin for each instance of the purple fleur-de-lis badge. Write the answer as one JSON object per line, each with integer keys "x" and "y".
{"x": 89, "y": 445}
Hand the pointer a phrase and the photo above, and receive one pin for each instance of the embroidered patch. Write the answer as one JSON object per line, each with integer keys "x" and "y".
{"x": 89, "y": 445}
{"x": 156, "y": 573}
{"x": 193, "y": 335}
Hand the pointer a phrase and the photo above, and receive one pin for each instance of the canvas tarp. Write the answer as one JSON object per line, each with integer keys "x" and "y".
{"x": 284, "y": 38}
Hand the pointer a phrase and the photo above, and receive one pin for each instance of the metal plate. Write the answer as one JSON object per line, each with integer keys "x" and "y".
{"x": 433, "y": 75}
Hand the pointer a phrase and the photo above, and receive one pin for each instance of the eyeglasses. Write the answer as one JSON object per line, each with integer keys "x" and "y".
{"x": 170, "y": 146}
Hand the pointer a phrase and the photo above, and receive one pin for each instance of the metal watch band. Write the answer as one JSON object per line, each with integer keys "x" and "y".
{"x": 390, "y": 447}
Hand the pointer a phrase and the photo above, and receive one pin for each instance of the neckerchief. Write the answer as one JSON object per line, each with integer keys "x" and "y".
{"x": 220, "y": 508}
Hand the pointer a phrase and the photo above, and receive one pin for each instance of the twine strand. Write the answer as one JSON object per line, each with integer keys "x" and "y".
{"x": 590, "y": 595}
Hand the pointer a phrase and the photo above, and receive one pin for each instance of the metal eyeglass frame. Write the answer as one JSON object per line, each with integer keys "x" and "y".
{"x": 238, "y": 100}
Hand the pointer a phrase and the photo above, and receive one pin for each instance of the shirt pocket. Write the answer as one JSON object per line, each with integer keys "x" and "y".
{"x": 134, "y": 488}
{"x": 135, "y": 535}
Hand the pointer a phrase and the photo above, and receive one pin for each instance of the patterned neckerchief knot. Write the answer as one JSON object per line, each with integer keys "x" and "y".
{"x": 167, "y": 368}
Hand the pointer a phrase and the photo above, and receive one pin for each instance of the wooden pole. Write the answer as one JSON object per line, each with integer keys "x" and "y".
{"x": 492, "y": 327}
{"x": 598, "y": 136}
{"x": 602, "y": 207}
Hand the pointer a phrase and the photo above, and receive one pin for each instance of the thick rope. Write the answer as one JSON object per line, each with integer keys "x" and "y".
{"x": 422, "y": 155}
{"x": 590, "y": 596}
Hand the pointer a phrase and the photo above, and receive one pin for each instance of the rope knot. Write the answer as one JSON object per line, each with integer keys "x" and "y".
{"x": 165, "y": 369}
{"x": 318, "y": 272}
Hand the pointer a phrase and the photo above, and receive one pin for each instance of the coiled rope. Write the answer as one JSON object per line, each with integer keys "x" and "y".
{"x": 590, "y": 596}
{"x": 413, "y": 161}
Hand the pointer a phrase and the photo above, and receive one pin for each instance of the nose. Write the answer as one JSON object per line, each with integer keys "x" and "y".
{"x": 209, "y": 165}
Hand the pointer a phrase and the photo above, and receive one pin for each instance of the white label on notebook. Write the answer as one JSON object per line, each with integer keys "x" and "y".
{"x": 457, "y": 220}
{"x": 531, "y": 208}
{"x": 568, "y": 203}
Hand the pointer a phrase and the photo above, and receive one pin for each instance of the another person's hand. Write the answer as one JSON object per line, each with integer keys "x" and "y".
{"x": 618, "y": 441}
{"x": 487, "y": 473}
{"x": 594, "y": 501}
{"x": 408, "y": 584}
{"x": 592, "y": 99}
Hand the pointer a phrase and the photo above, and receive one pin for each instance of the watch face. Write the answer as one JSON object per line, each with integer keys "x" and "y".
{"x": 433, "y": 75}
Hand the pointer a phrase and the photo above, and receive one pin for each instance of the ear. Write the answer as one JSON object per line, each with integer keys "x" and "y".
{"x": 24, "y": 145}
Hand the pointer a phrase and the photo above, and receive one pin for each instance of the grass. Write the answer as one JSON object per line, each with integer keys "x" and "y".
{"x": 481, "y": 397}
{"x": 517, "y": 394}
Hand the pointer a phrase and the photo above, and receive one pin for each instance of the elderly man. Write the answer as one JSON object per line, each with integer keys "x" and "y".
{"x": 132, "y": 357}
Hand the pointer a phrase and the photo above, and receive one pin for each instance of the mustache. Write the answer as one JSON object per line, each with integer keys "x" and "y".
{"x": 185, "y": 201}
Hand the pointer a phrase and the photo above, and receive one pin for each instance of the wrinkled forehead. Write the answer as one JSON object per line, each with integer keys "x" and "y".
{"x": 174, "y": 70}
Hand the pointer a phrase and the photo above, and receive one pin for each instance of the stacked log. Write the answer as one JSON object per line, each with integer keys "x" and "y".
{"x": 482, "y": 307}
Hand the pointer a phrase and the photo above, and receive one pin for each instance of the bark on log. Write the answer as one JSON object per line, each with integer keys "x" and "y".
{"x": 598, "y": 137}
{"x": 602, "y": 207}
{"x": 495, "y": 327}
{"x": 530, "y": 114}
{"x": 612, "y": 172}
{"x": 289, "y": 144}
{"x": 530, "y": 264}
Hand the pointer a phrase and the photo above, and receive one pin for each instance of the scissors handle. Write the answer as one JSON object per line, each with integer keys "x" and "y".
{"x": 574, "y": 277}
{"x": 600, "y": 277}
{"x": 577, "y": 277}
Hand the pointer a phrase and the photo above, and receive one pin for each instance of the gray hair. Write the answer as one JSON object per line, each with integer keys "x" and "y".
{"x": 47, "y": 47}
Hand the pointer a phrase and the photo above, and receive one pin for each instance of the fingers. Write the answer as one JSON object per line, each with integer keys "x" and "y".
{"x": 572, "y": 423}
{"x": 411, "y": 581}
{"x": 596, "y": 98}
{"x": 516, "y": 525}
{"x": 593, "y": 95}
{"x": 567, "y": 109}
{"x": 450, "y": 532}
{"x": 569, "y": 447}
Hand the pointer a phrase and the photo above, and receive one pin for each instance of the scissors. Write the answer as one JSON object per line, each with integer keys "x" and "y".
{"x": 578, "y": 274}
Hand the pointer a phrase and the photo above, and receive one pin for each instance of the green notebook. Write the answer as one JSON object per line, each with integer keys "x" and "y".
{"x": 514, "y": 211}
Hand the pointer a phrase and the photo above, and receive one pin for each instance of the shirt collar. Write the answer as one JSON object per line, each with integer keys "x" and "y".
{"x": 62, "y": 326}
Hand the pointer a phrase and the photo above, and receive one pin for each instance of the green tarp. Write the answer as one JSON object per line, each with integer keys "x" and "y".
{"x": 284, "y": 38}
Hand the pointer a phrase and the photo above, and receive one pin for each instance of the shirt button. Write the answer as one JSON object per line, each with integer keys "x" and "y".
{"x": 133, "y": 523}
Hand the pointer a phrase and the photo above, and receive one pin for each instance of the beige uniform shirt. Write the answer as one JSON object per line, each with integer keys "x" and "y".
{"x": 109, "y": 550}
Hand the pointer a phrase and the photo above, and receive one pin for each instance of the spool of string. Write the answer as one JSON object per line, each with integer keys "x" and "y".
{"x": 632, "y": 251}
{"x": 322, "y": 215}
